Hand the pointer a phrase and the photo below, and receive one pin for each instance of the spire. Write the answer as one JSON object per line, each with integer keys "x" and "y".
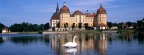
{"x": 57, "y": 6}
{"x": 57, "y": 9}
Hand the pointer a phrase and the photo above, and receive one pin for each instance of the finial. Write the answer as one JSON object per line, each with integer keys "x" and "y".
{"x": 64, "y": 3}
{"x": 100, "y": 5}
{"x": 87, "y": 11}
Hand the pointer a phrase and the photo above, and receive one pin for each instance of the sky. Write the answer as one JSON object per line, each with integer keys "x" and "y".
{"x": 40, "y": 11}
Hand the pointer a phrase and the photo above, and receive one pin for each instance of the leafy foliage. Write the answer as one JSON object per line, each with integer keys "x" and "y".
{"x": 28, "y": 27}
{"x": 73, "y": 26}
{"x": 65, "y": 25}
{"x": 109, "y": 24}
{"x": 1, "y": 27}
{"x": 58, "y": 25}
{"x": 46, "y": 26}
{"x": 86, "y": 26}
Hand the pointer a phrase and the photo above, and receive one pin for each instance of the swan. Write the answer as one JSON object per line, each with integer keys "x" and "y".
{"x": 70, "y": 44}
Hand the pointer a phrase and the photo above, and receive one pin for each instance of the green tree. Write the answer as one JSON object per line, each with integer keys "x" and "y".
{"x": 58, "y": 25}
{"x": 46, "y": 26}
{"x": 120, "y": 25}
{"x": 26, "y": 27}
{"x": 41, "y": 27}
{"x": 1, "y": 27}
{"x": 16, "y": 28}
{"x": 86, "y": 26}
{"x": 73, "y": 26}
{"x": 129, "y": 24}
{"x": 65, "y": 25}
{"x": 109, "y": 24}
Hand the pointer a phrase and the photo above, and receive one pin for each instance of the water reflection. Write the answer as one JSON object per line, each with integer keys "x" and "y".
{"x": 141, "y": 38}
{"x": 86, "y": 42}
{"x": 1, "y": 40}
{"x": 25, "y": 40}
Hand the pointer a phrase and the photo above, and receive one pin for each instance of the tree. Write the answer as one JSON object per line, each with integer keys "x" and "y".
{"x": 46, "y": 26}
{"x": 58, "y": 25}
{"x": 109, "y": 24}
{"x": 16, "y": 28}
{"x": 73, "y": 26}
{"x": 129, "y": 24}
{"x": 120, "y": 25}
{"x": 65, "y": 25}
{"x": 140, "y": 25}
{"x": 143, "y": 19}
{"x": 26, "y": 27}
{"x": 80, "y": 25}
{"x": 86, "y": 26}
{"x": 1, "y": 27}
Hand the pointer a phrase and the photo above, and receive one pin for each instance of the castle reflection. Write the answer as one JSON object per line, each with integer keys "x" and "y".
{"x": 86, "y": 42}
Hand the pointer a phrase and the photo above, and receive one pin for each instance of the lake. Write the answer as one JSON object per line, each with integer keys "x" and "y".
{"x": 88, "y": 44}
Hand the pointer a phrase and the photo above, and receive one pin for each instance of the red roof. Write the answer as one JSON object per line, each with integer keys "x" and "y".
{"x": 64, "y": 9}
{"x": 101, "y": 10}
{"x": 55, "y": 16}
{"x": 78, "y": 13}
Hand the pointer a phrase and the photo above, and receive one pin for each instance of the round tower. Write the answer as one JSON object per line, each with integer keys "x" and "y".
{"x": 100, "y": 20}
{"x": 64, "y": 15}
{"x": 101, "y": 17}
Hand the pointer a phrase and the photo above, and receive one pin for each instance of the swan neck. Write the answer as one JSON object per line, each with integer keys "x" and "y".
{"x": 74, "y": 40}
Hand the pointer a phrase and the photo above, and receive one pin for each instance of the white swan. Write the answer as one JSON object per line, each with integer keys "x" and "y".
{"x": 71, "y": 44}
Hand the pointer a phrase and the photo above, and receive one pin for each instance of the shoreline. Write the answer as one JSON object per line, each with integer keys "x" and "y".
{"x": 64, "y": 32}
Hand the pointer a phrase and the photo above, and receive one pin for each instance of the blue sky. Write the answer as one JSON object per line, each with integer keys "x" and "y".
{"x": 40, "y": 11}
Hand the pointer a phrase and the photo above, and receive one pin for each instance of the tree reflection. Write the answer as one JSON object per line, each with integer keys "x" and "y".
{"x": 140, "y": 38}
{"x": 26, "y": 40}
{"x": 1, "y": 40}
{"x": 46, "y": 40}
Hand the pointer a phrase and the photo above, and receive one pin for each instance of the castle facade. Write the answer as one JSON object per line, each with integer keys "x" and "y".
{"x": 98, "y": 19}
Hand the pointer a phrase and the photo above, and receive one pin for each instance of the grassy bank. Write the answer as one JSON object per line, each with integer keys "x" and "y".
{"x": 127, "y": 31}
{"x": 86, "y": 31}
{"x": 26, "y": 32}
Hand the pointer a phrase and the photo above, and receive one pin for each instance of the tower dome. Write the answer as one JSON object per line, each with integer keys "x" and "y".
{"x": 77, "y": 13}
{"x": 64, "y": 9}
{"x": 101, "y": 10}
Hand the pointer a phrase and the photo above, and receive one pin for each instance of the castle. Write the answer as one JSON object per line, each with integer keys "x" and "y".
{"x": 97, "y": 20}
